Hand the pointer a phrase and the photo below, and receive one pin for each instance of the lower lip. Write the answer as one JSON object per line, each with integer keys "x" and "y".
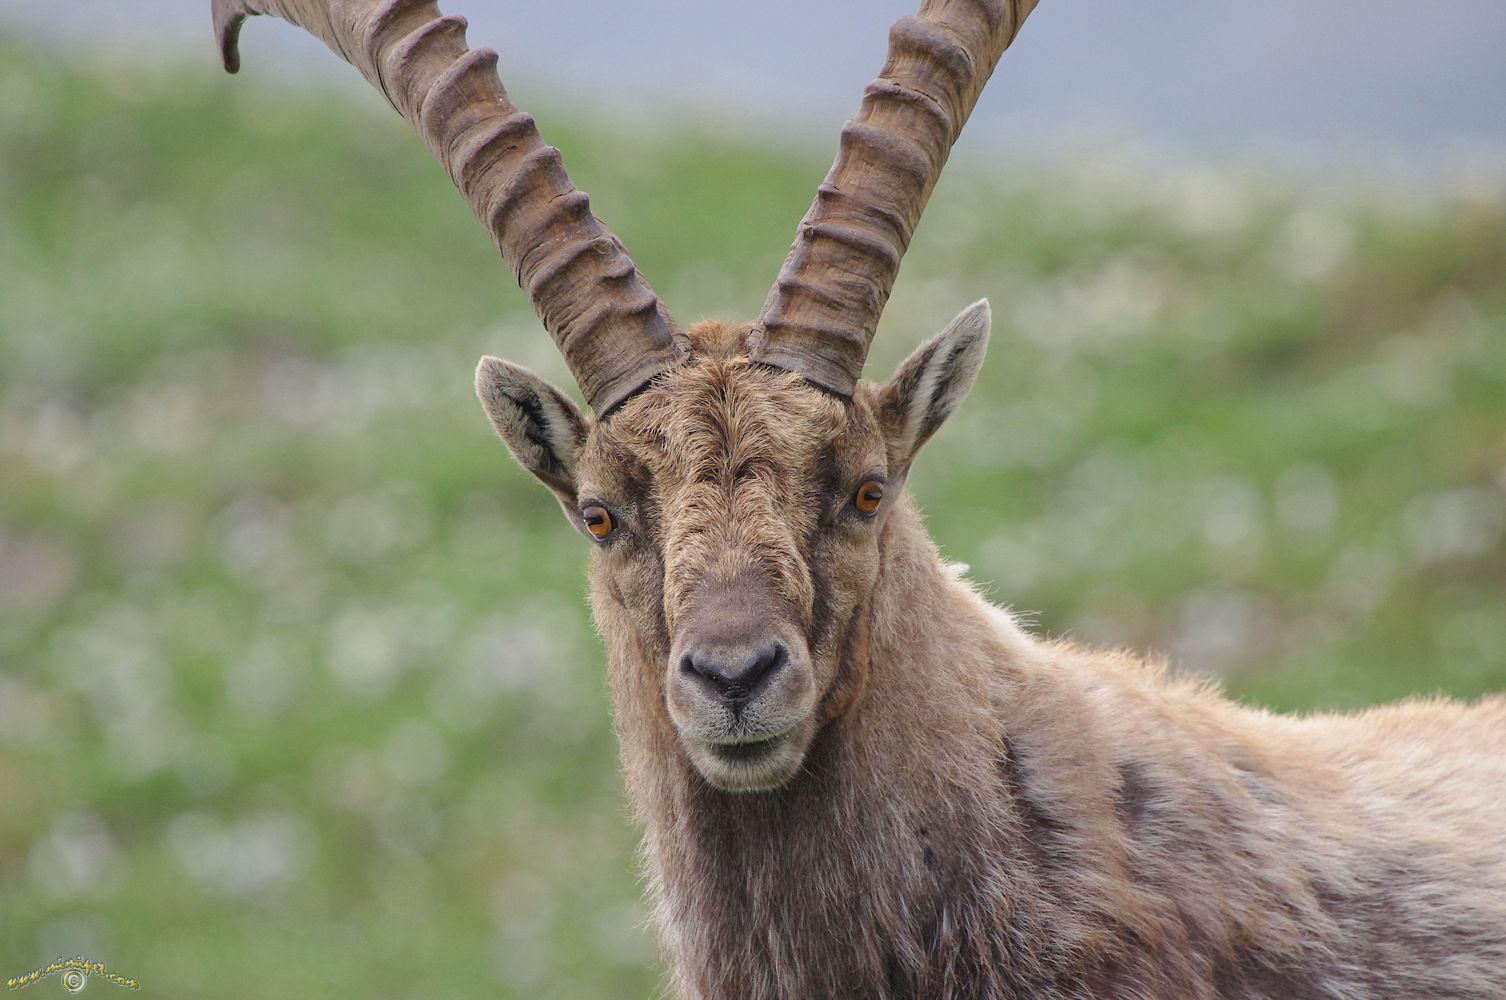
{"x": 743, "y": 752}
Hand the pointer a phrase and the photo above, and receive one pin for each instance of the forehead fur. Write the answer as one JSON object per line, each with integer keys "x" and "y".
{"x": 721, "y": 417}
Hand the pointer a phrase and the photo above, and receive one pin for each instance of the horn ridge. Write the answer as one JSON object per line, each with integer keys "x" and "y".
{"x": 821, "y": 314}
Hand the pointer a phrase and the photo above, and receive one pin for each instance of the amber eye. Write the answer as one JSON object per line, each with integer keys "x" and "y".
{"x": 598, "y": 521}
{"x": 868, "y": 497}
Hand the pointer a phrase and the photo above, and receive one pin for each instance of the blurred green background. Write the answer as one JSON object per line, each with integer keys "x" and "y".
{"x": 298, "y": 691}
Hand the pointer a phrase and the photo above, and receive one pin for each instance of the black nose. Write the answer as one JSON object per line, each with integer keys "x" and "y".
{"x": 735, "y": 673}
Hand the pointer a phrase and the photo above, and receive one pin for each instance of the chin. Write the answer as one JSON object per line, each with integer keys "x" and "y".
{"x": 756, "y": 766}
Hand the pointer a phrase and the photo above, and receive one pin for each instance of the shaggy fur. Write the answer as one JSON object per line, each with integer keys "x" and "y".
{"x": 978, "y": 812}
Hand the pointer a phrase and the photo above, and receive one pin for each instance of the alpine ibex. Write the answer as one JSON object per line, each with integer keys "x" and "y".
{"x": 855, "y": 776}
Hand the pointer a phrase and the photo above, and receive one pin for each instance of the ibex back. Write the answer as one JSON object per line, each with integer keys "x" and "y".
{"x": 855, "y": 776}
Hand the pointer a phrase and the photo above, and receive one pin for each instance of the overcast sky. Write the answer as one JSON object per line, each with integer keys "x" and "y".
{"x": 1306, "y": 78}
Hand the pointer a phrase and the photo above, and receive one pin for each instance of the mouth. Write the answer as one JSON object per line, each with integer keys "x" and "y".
{"x": 751, "y": 765}
{"x": 745, "y": 753}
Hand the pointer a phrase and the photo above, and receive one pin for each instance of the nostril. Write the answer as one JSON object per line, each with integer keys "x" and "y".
{"x": 771, "y": 659}
{"x": 735, "y": 674}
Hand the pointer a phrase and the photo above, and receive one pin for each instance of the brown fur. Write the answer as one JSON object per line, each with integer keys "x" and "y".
{"x": 977, "y": 812}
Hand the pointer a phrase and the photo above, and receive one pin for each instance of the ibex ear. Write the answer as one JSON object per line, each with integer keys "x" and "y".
{"x": 931, "y": 383}
{"x": 541, "y": 427}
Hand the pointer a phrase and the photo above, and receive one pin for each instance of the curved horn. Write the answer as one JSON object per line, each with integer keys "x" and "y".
{"x": 614, "y": 332}
{"x": 821, "y": 314}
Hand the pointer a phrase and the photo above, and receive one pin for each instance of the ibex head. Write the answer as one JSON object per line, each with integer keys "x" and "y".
{"x": 736, "y": 513}
{"x": 736, "y": 480}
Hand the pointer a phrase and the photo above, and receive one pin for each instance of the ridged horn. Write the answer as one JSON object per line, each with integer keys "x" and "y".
{"x": 821, "y": 314}
{"x": 614, "y": 332}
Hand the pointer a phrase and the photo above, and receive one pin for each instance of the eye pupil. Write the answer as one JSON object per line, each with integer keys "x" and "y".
{"x": 598, "y": 521}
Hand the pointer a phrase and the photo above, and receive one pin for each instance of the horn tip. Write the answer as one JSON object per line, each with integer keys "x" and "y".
{"x": 228, "y": 17}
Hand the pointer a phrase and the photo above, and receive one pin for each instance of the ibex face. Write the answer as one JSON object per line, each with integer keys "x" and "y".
{"x": 736, "y": 514}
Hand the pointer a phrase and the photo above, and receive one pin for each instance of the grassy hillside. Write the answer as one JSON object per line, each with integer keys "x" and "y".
{"x": 298, "y": 693}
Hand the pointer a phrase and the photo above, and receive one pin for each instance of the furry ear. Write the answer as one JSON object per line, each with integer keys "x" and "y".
{"x": 932, "y": 382}
{"x": 542, "y": 428}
